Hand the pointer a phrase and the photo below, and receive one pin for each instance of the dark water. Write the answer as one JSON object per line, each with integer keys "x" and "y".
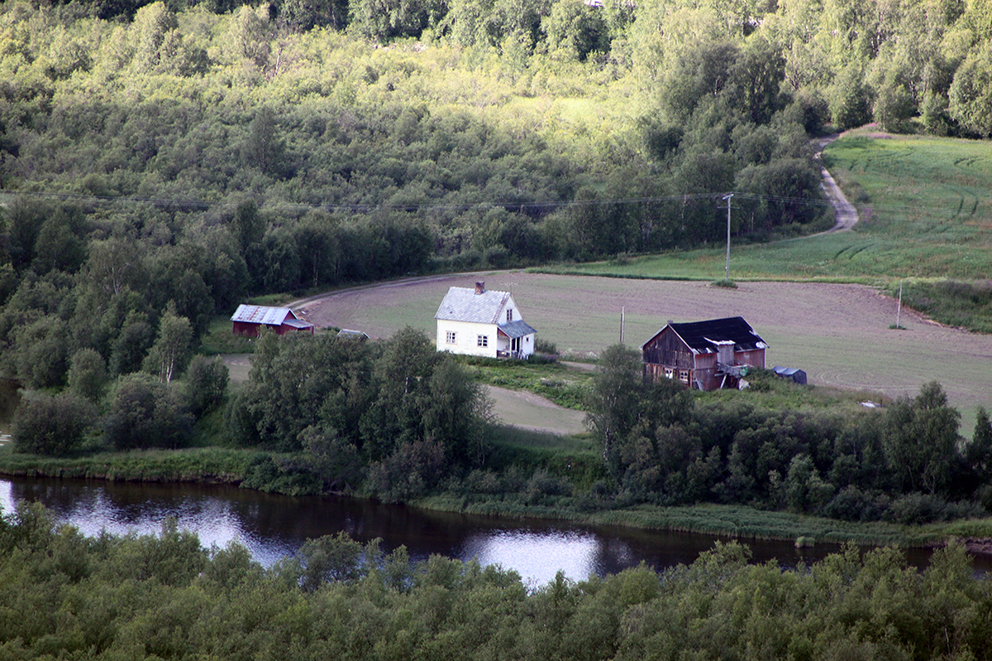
{"x": 273, "y": 527}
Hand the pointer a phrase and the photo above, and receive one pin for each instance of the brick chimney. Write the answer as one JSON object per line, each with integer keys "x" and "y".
{"x": 480, "y": 288}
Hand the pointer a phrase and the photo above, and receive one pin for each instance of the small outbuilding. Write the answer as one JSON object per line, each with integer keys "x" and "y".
{"x": 705, "y": 355}
{"x": 356, "y": 335}
{"x": 482, "y": 322}
{"x": 792, "y": 373}
{"x": 250, "y": 319}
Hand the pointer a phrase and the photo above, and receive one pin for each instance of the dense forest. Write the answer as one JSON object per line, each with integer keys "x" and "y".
{"x": 166, "y": 597}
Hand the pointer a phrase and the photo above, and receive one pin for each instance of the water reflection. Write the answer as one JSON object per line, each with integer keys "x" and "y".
{"x": 273, "y": 527}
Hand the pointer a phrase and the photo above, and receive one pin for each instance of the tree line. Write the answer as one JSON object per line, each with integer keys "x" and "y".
{"x": 167, "y": 597}
{"x": 906, "y": 464}
{"x": 397, "y": 421}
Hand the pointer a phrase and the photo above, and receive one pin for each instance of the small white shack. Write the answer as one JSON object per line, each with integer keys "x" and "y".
{"x": 480, "y": 322}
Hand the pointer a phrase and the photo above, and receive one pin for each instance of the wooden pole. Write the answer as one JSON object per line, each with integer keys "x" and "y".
{"x": 899, "y": 307}
{"x": 623, "y": 309}
{"x": 727, "y": 272}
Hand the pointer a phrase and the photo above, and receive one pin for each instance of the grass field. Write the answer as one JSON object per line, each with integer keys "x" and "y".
{"x": 925, "y": 212}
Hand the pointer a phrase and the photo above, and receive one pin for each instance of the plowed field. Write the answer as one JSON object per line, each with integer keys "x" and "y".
{"x": 838, "y": 333}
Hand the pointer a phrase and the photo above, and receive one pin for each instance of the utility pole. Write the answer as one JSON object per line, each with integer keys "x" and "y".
{"x": 899, "y": 309}
{"x": 727, "y": 198}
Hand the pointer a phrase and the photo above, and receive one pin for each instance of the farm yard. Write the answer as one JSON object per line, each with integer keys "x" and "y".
{"x": 838, "y": 333}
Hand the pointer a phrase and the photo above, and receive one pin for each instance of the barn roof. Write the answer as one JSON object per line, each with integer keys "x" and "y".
{"x": 705, "y": 336}
{"x": 267, "y": 316}
{"x": 298, "y": 324}
{"x": 463, "y": 304}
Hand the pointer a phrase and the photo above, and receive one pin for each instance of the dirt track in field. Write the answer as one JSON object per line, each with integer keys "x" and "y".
{"x": 846, "y": 214}
{"x": 524, "y": 409}
{"x": 839, "y": 334}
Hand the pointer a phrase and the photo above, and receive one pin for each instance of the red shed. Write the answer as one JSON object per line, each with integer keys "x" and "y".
{"x": 704, "y": 354}
{"x": 249, "y": 319}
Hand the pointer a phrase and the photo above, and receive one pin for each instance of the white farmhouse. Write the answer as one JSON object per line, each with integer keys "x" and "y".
{"x": 478, "y": 322}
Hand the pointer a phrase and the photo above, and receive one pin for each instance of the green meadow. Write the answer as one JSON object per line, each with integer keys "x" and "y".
{"x": 925, "y": 214}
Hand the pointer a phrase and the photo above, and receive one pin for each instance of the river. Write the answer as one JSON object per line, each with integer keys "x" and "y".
{"x": 273, "y": 527}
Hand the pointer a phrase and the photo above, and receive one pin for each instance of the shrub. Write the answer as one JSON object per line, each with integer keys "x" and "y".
{"x": 918, "y": 508}
{"x": 52, "y": 425}
{"x": 87, "y": 374}
{"x": 146, "y": 413}
{"x": 853, "y": 504}
{"x": 545, "y": 346}
{"x": 479, "y": 481}
{"x": 280, "y": 475}
{"x": 206, "y": 383}
{"x": 410, "y": 471}
{"x": 543, "y": 484}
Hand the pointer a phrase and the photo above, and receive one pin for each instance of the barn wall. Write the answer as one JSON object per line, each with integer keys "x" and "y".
{"x": 669, "y": 350}
{"x": 754, "y": 358}
{"x": 705, "y": 371}
{"x": 246, "y": 329}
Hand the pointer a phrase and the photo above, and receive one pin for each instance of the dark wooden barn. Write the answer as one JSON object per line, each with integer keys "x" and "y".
{"x": 705, "y": 355}
{"x": 250, "y": 319}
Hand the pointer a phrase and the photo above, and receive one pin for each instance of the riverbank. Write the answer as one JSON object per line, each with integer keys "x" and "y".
{"x": 741, "y": 523}
{"x": 234, "y": 467}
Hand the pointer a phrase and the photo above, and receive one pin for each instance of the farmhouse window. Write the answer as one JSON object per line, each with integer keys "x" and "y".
{"x": 483, "y": 341}
{"x": 450, "y": 337}
{"x": 509, "y": 314}
{"x": 684, "y": 376}
{"x": 669, "y": 373}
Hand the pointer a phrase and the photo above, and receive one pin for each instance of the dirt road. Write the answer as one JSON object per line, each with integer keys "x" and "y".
{"x": 847, "y": 215}
{"x": 527, "y": 410}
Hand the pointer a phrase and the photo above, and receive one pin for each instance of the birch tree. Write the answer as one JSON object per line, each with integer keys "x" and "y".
{"x": 171, "y": 352}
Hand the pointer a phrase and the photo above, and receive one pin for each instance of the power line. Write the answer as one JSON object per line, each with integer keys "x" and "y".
{"x": 683, "y": 198}
{"x": 366, "y": 208}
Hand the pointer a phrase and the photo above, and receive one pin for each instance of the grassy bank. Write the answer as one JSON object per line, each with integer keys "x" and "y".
{"x": 553, "y": 381}
{"x": 203, "y": 465}
{"x": 732, "y": 521}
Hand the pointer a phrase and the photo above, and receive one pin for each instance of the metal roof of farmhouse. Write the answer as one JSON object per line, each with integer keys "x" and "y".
{"x": 463, "y": 304}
